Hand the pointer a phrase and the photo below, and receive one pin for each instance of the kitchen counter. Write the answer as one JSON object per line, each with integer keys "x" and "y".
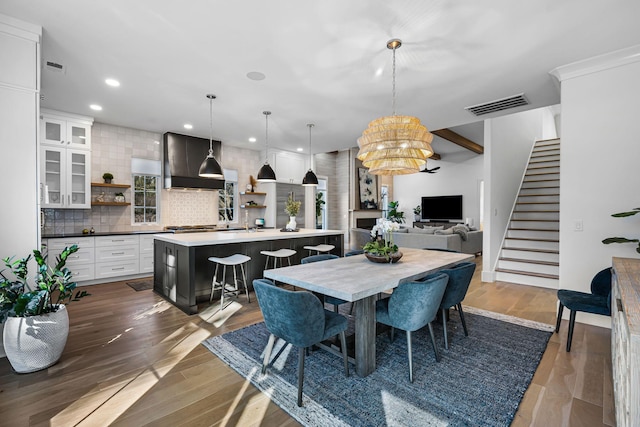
{"x": 235, "y": 236}
{"x": 183, "y": 272}
{"x": 104, "y": 233}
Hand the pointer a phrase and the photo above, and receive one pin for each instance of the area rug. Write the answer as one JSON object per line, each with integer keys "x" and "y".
{"x": 479, "y": 381}
{"x": 141, "y": 285}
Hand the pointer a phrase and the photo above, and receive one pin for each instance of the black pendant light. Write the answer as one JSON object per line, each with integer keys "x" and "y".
{"x": 210, "y": 168}
{"x": 310, "y": 179}
{"x": 266, "y": 174}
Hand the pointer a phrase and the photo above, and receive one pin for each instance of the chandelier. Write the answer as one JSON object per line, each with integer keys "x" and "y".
{"x": 395, "y": 145}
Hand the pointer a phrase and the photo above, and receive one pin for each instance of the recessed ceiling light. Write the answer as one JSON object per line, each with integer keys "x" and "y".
{"x": 95, "y": 107}
{"x": 255, "y": 75}
{"x": 188, "y": 126}
{"x": 298, "y": 149}
{"x": 112, "y": 82}
{"x": 252, "y": 139}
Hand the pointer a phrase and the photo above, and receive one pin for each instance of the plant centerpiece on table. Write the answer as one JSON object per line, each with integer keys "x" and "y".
{"x": 624, "y": 239}
{"x": 381, "y": 247}
{"x": 107, "y": 177}
{"x": 292, "y": 207}
{"x": 36, "y": 323}
{"x": 394, "y": 214}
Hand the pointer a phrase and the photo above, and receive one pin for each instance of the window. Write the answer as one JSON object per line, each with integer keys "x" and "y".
{"x": 145, "y": 199}
{"x": 228, "y": 198}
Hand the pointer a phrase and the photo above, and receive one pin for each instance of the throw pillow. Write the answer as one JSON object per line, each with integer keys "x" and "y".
{"x": 426, "y": 230}
{"x": 442, "y": 232}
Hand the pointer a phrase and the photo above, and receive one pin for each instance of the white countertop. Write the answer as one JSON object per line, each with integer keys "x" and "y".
{"x": 224, "y": 237}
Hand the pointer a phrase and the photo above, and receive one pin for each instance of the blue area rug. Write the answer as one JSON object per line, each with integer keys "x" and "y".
{"x": 479, "y": 381}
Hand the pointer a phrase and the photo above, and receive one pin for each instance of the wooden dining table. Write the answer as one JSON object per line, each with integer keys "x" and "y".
{"x": 356, "y": 278}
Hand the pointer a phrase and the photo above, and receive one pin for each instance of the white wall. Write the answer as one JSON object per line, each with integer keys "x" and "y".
{"x": 599, "y": 171}
{"x": 460, "y": 176}
{"x": 508, "y": 143}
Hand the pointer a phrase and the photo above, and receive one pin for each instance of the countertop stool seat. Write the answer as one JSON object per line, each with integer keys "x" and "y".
{"x": 280, "y": 254}
{"x": 320, "y": 248}
{"x": 225, "y": 288}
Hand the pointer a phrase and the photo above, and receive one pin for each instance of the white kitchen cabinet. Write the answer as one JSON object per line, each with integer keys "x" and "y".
{"x": 146, "y": 253}
{"x": 117, "y": 255}
{"x": 65, "y": 130}
{"x": 65, "y": 177}
{"x": 81, "y": 263}
{"x": 290, "y": 167}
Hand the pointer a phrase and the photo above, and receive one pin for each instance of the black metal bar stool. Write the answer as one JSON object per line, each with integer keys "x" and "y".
{"x": 224, "y": 287}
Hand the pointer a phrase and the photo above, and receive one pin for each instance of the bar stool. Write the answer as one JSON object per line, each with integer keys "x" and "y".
{"x": 226, "y": 288}
{"x": 278, "y": 255}
{"x": 320, "y": 249}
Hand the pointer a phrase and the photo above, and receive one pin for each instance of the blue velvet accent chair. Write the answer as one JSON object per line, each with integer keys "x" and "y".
{"x": 597, "y": 302}
{"x": 412, "y": 306}
{"x": 335, "y": 302}
{"x": 459, "y": 279}
{"x": 299, "y": 319}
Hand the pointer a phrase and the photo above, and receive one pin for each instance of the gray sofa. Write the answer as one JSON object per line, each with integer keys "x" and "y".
{"x": 419, "y": 239}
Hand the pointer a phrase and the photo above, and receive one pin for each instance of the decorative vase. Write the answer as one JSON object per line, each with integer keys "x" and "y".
{"x": 393, "y": 258}
{"x": 291, "y": 225}
{"x": 107, "y": 180}
{"x": 119, "y": 199}
{"x": 36, "y": 342}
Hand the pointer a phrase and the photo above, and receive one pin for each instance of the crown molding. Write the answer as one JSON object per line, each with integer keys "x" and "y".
{"x": 596, "y": 64}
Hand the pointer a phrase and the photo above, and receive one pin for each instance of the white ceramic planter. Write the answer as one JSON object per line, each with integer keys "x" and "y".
{"x": 36, "y": 342}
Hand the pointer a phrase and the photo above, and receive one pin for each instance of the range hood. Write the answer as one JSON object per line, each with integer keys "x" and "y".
{"x": 183, "y": 156}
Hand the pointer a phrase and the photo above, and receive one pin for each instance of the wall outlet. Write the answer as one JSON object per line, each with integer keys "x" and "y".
{"x": 577, "y": 225}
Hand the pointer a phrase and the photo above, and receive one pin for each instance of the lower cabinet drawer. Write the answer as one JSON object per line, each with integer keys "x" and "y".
{"x": 116, "y": 253}
{"x": 146, "y": 263}
{"x": 116, "y": 268}
{"x": 83, "y": 256}
{"x": 82, "y": 272}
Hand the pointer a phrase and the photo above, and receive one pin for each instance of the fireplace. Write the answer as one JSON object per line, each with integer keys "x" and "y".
{"x": 366, "y": 223}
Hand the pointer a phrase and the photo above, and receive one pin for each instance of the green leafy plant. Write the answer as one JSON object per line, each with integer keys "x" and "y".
{"x": 107, "y": 176}
{"x": 319, "y": 202}
{"x": 292, "y": 207}
{"x": 382, "y": 239}
{"x": 53, "y": 286}
{"x": 417, "y": 210}
{"x": 394, "y": 214}
{"x": 119, "y": 194}
{"x": 623, "y": 239}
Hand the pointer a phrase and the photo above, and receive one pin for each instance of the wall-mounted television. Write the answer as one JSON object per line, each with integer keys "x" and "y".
{"x": 442, "y": 208}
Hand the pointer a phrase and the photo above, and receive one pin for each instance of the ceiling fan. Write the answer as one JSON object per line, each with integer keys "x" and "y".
{"x": 427, "y": 170}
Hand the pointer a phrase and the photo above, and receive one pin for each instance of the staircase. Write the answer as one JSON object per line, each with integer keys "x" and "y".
{"x": 530, "y": 251}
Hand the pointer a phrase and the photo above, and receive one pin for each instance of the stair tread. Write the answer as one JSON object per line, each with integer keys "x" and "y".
{"x": 542, "y": 173}
{"x": 535, "y": 220}
{"x": 541, "y": 180}
{"x": 537, "y": 203}
{"x": 534, "y": 229}
{"x": 528, "y": 273}
{"x": 531, "y": 239}
{"x": 539, "y": 195}
{"x": 531, "y": 261}
{"x": 544, "y": 161}
{"x": 534, "y": 156}
{"x": 543, "y": 167}
{"x": 544, "y": 251}
{"x": 536, "y": 212}
{"x": 539, "y": 188}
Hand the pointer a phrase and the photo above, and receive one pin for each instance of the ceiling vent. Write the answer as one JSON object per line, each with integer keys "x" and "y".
{"x": 54, "y": 66}
{"x": 498, "y": 105}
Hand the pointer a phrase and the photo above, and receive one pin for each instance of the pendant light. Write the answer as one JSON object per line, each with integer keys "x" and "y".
{"x": 310, "y": 179}
{"x": 395, "y": 145}
{"x": 266, "y": 174}
{"x": 210, "y": 168}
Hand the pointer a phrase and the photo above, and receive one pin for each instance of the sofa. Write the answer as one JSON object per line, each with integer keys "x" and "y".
{"x": 420, "y": 238}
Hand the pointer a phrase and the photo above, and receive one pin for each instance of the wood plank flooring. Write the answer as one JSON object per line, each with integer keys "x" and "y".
{"x": 132, "y": 359}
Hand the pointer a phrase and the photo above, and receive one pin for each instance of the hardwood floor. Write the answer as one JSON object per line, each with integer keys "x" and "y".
{"x": 133, "y": 359}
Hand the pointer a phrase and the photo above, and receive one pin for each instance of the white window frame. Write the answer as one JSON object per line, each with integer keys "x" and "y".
{"x": 231, "y": 180}
{"x": 146, "y": 168}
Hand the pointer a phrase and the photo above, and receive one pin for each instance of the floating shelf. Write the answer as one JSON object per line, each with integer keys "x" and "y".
{"x": 102, "y": 184}
{"x": 251, "y": 193}
{"x": 252, "y": 206}
{"x": 110, "y": 204}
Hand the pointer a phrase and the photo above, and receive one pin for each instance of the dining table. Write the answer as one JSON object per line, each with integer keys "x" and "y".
{"x": 359, "y": 280}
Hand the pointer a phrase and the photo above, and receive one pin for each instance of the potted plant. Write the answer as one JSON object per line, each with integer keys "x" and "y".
{"x": 394, "y": 214}
{"x": 107, "y": 177}
{"x": 381, "y": 247}
{"x": 292, "y": 207}
{"x": 319, "y": 202}
{"x": 36, "y": 323}
{"x": 624, "y": 239}
{"x": 416, "y": 213}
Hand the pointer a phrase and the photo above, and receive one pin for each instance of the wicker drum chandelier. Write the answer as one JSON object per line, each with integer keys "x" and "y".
{"x": 395, "y": 145}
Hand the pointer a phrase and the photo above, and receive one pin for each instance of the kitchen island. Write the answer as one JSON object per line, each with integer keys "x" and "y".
{"x": 183, "y": 273}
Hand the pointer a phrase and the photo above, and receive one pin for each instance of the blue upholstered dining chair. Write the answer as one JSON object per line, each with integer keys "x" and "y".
{"x": 335, "y": 302}
{"x": 413, "y": 305}
{"x": 299, "y": 319}
{"x": 459, "y": 279}
{"x": 597, "y": 302}
{"x": 354, "y": 252}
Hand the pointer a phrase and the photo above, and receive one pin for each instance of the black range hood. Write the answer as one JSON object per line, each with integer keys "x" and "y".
{"x": 183, "y": 156}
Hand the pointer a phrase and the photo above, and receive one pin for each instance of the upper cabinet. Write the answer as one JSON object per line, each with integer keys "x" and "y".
{"x": 62, "y": 129}
{"x": 290, "y": 167}
{"x": 65, "y": 161}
